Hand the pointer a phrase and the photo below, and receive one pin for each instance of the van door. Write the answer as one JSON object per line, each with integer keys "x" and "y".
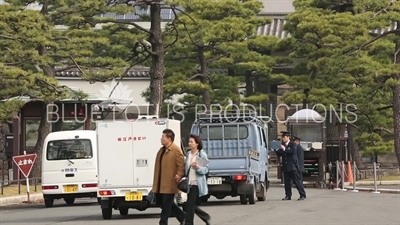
{"x": 69, "y": 161}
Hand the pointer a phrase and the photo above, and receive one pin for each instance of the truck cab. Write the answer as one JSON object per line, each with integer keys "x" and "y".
{"x": 236, "y": 144}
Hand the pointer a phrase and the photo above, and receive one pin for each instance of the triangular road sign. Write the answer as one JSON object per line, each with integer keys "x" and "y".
{"x": 25, "y": 163}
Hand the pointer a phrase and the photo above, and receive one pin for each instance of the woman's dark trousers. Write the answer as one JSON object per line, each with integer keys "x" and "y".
{"x": 192, "y": 207}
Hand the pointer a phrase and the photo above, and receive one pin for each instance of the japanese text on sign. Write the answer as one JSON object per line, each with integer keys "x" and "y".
{"x": 25, "y": 162}
{"x": 137, "y": 138}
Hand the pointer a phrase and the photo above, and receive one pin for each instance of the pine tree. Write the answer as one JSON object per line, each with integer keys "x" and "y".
{"x": 35, "y": 51}
{"x": 349, "y": 64}
{"x": 216, "y": 47}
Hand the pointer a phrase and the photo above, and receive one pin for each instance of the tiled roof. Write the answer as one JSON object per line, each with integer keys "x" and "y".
{"x": 166, "y": 14}
{"x": 275, "y": 28}
{"x": 136, "y": 72}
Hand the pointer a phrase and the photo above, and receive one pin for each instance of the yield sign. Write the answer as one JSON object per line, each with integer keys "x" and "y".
{"x": 25, "y": 163}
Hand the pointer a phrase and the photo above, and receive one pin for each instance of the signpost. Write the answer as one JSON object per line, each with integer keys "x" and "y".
{"x": 25, "y": 163}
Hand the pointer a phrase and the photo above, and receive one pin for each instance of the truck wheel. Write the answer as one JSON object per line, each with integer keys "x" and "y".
{"x": 123, "y": 211}
{"x": 184, "y": 207}
{"x": 253, "y": 195}
{"x": 263, "y": 191}
{"x": 69, "y": 201}
{"x": 243, "y": 199}
{"x": 198, "y": 201}
{"x": 204, "y": 199}
{"x": 99, "y": 201}
{"x": 107, "y": 212}
{"x": 48, "y": 202}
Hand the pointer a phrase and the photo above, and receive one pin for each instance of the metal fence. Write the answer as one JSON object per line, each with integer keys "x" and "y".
{"x": 10, "y": 186}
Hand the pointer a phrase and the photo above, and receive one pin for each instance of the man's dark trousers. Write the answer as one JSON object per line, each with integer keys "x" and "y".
{"x": 295, "y": 177}
{"x": 169, "y": 208}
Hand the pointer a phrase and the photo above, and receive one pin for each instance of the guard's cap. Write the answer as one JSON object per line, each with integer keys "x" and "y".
{"x": 296, "y": 138}
{"x": 285, "y": 133}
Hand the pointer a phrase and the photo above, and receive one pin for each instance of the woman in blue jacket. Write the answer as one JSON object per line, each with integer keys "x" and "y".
{"x": 196, "y": 179}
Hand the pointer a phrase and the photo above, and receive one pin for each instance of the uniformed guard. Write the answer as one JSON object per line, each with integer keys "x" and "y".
{"x": 290, "y": 167}
{"x": 300, "y": 156}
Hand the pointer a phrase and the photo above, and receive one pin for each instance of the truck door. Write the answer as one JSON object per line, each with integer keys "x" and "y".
{"x": 146, "y": 143}
{"x": 263, "y": 152}
{"x": 114, "y": 144}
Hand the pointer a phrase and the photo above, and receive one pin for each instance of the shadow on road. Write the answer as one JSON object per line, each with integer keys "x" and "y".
{"x": 41, "y": 205}
{"x": 219, "y": 203}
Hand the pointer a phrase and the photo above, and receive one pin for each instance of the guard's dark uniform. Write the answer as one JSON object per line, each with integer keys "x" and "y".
{"x": 291, "y": 170}
{"x": 300, "y": 158}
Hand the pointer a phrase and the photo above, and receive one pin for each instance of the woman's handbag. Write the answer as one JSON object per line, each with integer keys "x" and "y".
{"x": 184, "y": 183}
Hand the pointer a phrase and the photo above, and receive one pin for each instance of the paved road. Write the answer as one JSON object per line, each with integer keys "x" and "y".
{"x": 326, "y": 207}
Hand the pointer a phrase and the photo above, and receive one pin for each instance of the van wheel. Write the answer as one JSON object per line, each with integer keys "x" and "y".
{"x": 69, "y": 201}
{"x": 243, "y": 199}
{"x": 253, "y": 195}
{"x": 123, "y": 211}
{"x": 48, "y": 202}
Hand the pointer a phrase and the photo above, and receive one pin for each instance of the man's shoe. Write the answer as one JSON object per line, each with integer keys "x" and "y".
{"x": 286, "y": 198}
{"x": 301, "y": 198}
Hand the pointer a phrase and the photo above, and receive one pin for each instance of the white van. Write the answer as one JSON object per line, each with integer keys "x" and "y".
{"x": 69, "y": 166}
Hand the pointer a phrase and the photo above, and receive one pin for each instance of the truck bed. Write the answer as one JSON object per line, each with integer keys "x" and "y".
{"x": 226, "y": 148}
{"x": 230, "y": 157}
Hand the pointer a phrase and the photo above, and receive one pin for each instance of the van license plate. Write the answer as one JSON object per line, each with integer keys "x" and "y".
{"x": 133, "y": 196}
{"x": 214, "y": 180}
{"x": 70, "y": 188}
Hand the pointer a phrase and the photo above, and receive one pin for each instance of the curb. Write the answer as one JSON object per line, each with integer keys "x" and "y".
{"x": 386, "y": 191}
{"x": 365, "y": 183}
{"x": 19, "y": 199}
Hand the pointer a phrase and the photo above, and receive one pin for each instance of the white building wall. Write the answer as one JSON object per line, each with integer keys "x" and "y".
{"x": 126, "y": 90}
{"x": 277, "y": 6}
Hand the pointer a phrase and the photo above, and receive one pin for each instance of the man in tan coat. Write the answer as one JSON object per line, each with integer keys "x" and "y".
{"x": 168, "y": 171}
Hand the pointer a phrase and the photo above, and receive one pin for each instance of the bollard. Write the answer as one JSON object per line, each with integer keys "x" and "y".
{"x": 342, "y": 179}
{"x": 337, "y": 176}
{"x": 375, "y": 181}
{"x": 354, "y": 177}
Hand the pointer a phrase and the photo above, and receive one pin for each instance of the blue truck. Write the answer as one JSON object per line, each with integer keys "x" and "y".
{"x": 237, "y": 148}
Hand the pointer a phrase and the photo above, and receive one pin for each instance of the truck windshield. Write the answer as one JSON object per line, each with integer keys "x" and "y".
{"x": 69, "y": 149}
{"x": 230, "y": 132}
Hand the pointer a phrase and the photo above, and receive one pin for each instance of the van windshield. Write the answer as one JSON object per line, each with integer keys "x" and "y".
{"x": 69, "y": 149}
{"x": 230, "y": 132}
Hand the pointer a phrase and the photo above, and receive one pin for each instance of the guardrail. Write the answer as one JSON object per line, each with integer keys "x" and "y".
{"x": 342, "y": 174}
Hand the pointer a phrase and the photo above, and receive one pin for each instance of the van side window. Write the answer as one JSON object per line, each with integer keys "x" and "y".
{"x": 260, "y": 135}
{"x": 264, "y": 137}
{"x": 69, "y": 149}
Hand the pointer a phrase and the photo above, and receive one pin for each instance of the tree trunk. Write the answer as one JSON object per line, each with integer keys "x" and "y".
{"x": 204, "y": 77}
{"x": 249, "y": 83}
{"x": 5, "y": 129}
{"x": 396, "y": 121}
{"x": 157, "y": 64}
{"x": 354, "y": 148}
{"x": 43, "y": 130}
